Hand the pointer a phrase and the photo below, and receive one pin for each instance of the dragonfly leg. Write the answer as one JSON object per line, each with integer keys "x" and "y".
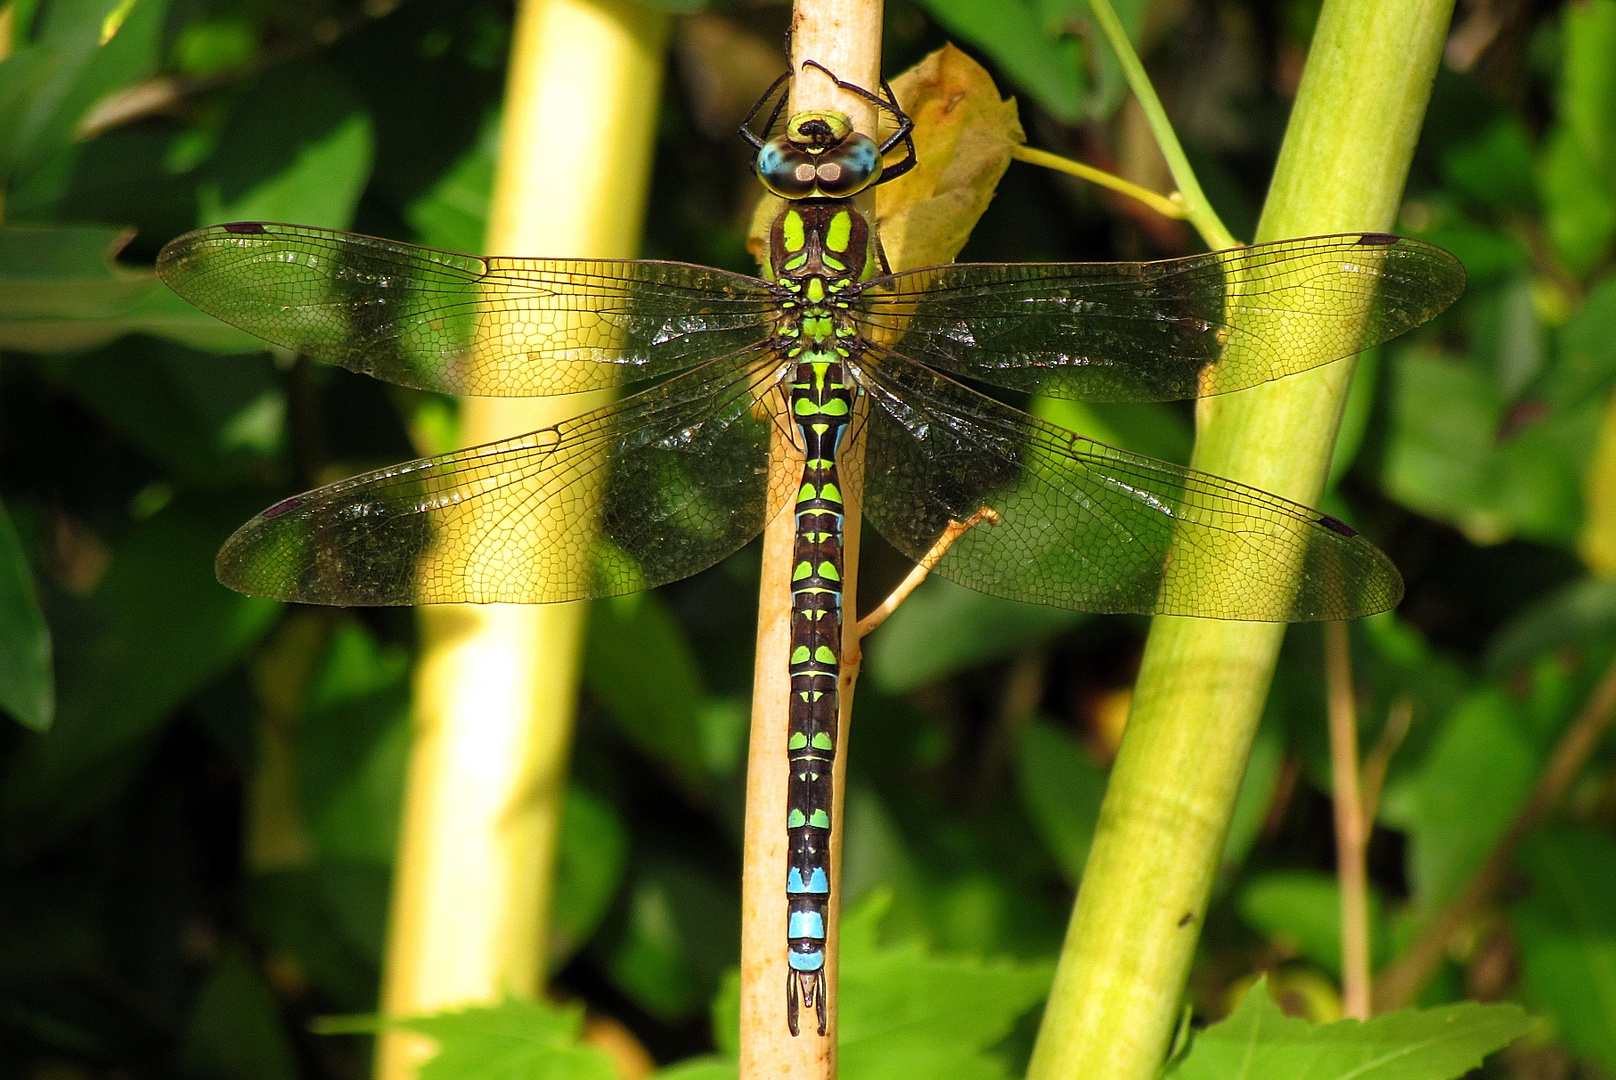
{"x": 751, "y": 137}
{"x": 955, "y": 530}
{"x": 906, "y": 126}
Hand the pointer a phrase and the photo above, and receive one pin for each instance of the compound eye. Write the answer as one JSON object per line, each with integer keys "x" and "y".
{"x": 786, "y": 170}
{"x": 850, "y": 167}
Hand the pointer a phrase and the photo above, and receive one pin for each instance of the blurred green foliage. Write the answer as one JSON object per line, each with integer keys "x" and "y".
{"x": 198, "y": 805}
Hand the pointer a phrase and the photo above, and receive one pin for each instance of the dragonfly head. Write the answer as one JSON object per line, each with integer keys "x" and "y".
{"x": 819, "y": 155}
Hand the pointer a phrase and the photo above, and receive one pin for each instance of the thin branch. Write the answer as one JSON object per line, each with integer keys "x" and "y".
{"x": 1399, "y": 983}
{"x": 1350, "y": 835}
{"x": 1168, "y": 206}
{"x": 1379, "y": 759}
{"x": 955, "y": 530}
{"x": 1197, "y": 207}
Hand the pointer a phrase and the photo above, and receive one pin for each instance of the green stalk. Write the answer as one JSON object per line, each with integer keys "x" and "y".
{"x": 1197, "y": 207}
{"x": 1202, "y": 684}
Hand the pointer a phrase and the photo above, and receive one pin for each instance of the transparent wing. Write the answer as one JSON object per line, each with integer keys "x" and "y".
{"x": 647, "y": 490}
{"x": 1085, "y": 526}
{"x": 1160, "y": 331}
{"x": 494, "y": 327}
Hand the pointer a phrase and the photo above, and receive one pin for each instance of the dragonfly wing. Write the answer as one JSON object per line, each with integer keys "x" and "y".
{"x": 1082, "y": 525}
{"x": 647, "y": 490}
{"x": 494, "y": 327}
{"x": 1161, "y": 331}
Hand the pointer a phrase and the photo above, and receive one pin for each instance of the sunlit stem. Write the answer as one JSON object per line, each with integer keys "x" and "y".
{"x": 928, "y": 562}
{"x": 1351, "y": 834}
{"x": 1168, "y": 206}
{"x": 1197, "y": 208}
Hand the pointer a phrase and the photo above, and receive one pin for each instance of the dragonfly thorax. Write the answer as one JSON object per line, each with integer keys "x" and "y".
{"x": 819, "y": 155}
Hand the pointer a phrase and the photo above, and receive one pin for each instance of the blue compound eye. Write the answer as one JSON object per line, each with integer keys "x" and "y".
{"x": 849, "y": 168}
{"x": 786, "y": 170}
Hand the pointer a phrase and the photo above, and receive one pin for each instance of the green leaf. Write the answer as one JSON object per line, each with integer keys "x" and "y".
{"x": 161, "y": 630}
{"x": 1570, "y": 616}
{"x": 1567, "y": 935}
{"x": 1300, "y": 910}
{"x": 1446, "y": 458}
{"x": 1579, "y": 209}
{"x": 1453, "y": 820}
{"x": 629, "y": 636}
{"x": 298, "y": 149}
{"x": 706, "y": 1068}
{"x": 1588, "y": 83}
{"x": 1494, "y": 167}
{"x": 1153, "y": 428}
{"x": 453, "y": 213}
{"x": 331, "y": 919}
{"x": 235, "y": 1028}
{"x": 905, "y": 1012}
{"x": 23, "y": 75}
{"x": 514, "y": 1040}
{"x": 1258, "y": 1042}
{"x": 1061, "y": 789}
{"x": 1047, "y": 61}
{"x": 84, "y": 71}
{"x": 682, "y": 931}
{"x": 592, "y": 854}
{"x": 353, "y": 748}
{"x": 211, "y": 425}
{"x": 943, "y": 628}
{"x": 27, "y": 689}
{"x": 62, "y": 289}
{"x": 1585, "y": 361}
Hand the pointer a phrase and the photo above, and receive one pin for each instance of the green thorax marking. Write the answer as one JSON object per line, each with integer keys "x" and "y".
{"x": 828, "y": 239}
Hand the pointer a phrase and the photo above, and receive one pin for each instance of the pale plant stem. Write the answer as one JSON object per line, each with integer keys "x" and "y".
{"x": 1398, "y": 985}
{"x": 1197, "y": 207}
{"x": 1118, "y": 987}
{"x": 496, "y": 684}
{"x": 1351, "y": 838}
{"x": 844, "y": 36}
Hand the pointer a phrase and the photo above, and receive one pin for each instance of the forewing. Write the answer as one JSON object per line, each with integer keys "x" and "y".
{"x": 1161, "y": 331}
{"x": 494, "y": 327}
{"x": 1086, "y": 526}
{"x": 647, "y": 490}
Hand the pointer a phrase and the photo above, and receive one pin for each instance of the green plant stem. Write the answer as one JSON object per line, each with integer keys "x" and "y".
{"x": 1197, "y": 208}
{"x": 1202, "y": 684}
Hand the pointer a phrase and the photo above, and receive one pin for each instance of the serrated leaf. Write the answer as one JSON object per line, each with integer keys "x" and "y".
{"x": 27, "y": 678}
{"x": 1567, "y": 934}
{"x": 905, "y": 1012}
{"x": 1048, "y": 62}
{"x": 517, "y": 1039}
{"x": 1259, "y": 1042}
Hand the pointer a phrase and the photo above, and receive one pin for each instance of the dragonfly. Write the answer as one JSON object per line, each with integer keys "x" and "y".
{"x": 828, "y": 350}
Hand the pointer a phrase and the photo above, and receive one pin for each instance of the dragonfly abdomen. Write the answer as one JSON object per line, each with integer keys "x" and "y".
{"x": 820, "y": 406}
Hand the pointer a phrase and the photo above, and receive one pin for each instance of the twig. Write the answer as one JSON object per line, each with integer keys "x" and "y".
{"x": 1350, "y": 834}
{"x": 1168, "y": 206}
{"x": 955, "y": 530}
{"x": 1400, "y": 982}
{"x": 1378, "y": 760}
